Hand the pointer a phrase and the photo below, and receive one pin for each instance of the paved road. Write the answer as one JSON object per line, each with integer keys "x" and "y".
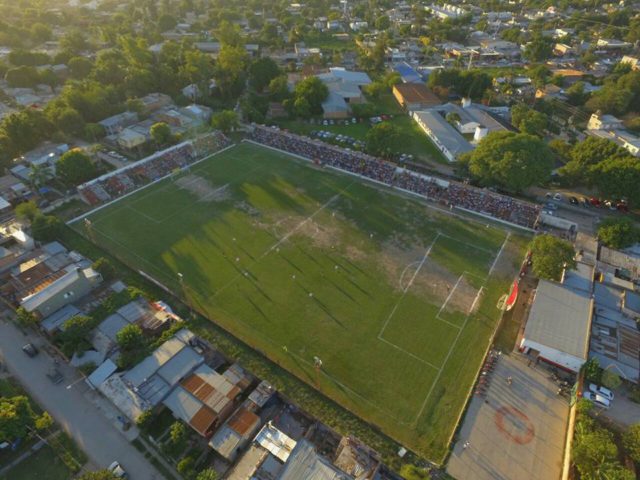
{"x": 102, "y": 442}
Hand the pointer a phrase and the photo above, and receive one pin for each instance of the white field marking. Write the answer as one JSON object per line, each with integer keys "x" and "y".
{"x": 283, "y": 239}
{"x": 415, "y": 357}
{"x": 146, "y": 262}
{"x": 446, "y": 358}
{"x": 135, "y": 210}
{"x": 203, "y": 173}
{"x": 444, "y": 305}
{"x": 495, "y": 261}
{"x": 345, "y": 387}
{"x": 302, "y": 223}
{"x": 482, "y": 249}
{"x": 405, "y": 271}
{"x": 404, "y": 292}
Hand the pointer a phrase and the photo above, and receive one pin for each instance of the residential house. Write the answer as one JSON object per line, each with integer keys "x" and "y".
{"x": 116, "y": 123}
{"x": 70, "y": 287}
{"x": 235, "y": 434}
{"x": 345, "y": 89}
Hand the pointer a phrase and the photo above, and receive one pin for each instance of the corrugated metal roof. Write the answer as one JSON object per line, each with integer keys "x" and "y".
{"x": 135, "y": 310}
{"x": 276, "y": 442}
{"x": 448, "y": 136}
{"x": 101, "y": 373}
{"x": 111, "y": 325}
{"x": 153, "y": 362}
{"x": 243, "y": 421}
{"x": 180, "y": 365}
{"x": 305, "y": 463}
{"x": 560, "y": 318}
{"x": 57, "y": 319}
{"x": 226, "y": 442}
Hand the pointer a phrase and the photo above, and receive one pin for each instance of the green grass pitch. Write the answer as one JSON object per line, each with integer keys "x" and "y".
{"x": 396, "y": 298}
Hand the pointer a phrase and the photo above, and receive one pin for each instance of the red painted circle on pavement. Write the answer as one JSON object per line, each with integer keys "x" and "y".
{"x": 515, "y": 425}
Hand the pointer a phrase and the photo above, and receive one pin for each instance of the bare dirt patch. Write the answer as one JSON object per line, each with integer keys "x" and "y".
{"x": 202, "y": 188}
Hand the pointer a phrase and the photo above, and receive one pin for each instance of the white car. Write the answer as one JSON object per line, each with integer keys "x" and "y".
{"x": 598, "y": 400}
{"x": 605, "y": 392}
{"x": 117, "y": 470}
{"x": 558, "y": 197}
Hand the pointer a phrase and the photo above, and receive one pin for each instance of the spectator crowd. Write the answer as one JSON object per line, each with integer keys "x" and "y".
{"x": 127, "y": 179}
{"x": 448, "y": 193}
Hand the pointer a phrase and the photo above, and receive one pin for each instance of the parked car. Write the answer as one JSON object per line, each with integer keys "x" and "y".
{"x": 598, "y": 400}
{"x": 600, "y": 390}
{"x": 550, "y": 206}
{"x": 30, "y": 349}
{"x": 558, "y": 197}
{"x": 116, "y": 469}
{"x": 55, "y": 376}
{"x": 573, "y": 200}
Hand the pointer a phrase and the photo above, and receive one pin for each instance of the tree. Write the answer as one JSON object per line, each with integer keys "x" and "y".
{"x": 131, "y": 338}
{"x": 381, "y": 138}
{"x": 231, "y": 70}
{"x": 177, "y": 433}
{"x": 618, "y": 233}
{"x": 27, "y": 211}
{"x": 618, "y": 178}
{"x": 185, "y": 467}
{"x": 40, "y": 32}
{"x": 43, "y": 422}
{"x": 585, "y": 155}
{"x": 226, "y": 121}
{"x": 550, "y": 256}
{"x": 538, "y": 50}
{"x": 262, "y": 72}
{"x": 166, "y": 22}
{"x": 278, "y": 88}
{"x": 592, "y": 370}
{"x": 97, "y": 475}
{"x": 593, "y": 449}
{"x": 25, "y": 318}
{"x": 631, "y": 442}
{"x": 610, "y": 379}
{"x": 45, "y": 228}
{"x": 528, "y": 120}
{"x": 309, "y": 95}
{"x": 511, "y": 160}
{"x": 75, "y": 333}
{"x": 161, "y": 133}
{"x": 207, "y": 474}
{"x": 16, "y": 417}
{"x": 576, "y": 94}
{"x": 75, "y": 167}
{"x": 74, "y": 41}
{"x": 79, "y": 67}
{"x": 412, "y": 472}
{"x": 383, "y": 22}
{"x": 22, "y": 77}
{"x": 39, "y": 174}
{"x": 105, "y": 268}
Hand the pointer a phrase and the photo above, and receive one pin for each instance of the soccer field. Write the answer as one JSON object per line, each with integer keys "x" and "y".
{"x": 396, "y": 298}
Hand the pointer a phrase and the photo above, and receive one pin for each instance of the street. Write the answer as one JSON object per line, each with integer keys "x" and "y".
{"x": 100, "y": 440}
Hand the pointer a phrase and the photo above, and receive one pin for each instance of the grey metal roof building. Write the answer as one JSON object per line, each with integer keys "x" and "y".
{"x": 305, "y": 463}
{"x": 450, "y": 142}
{"x": 559, "y": 324}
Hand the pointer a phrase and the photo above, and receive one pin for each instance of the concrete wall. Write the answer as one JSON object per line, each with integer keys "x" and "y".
{"x": 621, "y": 260}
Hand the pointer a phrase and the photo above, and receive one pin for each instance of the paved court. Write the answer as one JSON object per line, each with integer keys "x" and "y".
{"x": 515, "y": 431}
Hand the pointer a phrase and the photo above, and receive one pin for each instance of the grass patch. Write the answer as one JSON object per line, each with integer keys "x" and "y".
{"x": 301, "y": 263}
{"x": 44, "y": 464}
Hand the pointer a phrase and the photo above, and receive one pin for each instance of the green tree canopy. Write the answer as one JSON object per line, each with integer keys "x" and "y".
{"x": 22, "y": 77}
{"x": 207, "y": 474}
{"x": 550, "y": 255}
{"x": 618, "y": 178}
{"x": 161, "y": 133}
{"x": 618, "y": 232}
{"x": 538, "y": 50}
{"x": 45, "y": 228}
{"x": 380, "y": 138}
{"x": 75, "y": 334}
{"x": 528, "y": 120}
{"x": 308, "y": 96}
{"x": 75, "y": 167}
{"x": 262, "y": 72}
{"x": 16, "y": 417}
{"x": 80, "y": 67}
{"x": 225, "y": 121}
{"x": 511, "y": 160}
{"x": 97, "y": 475}
{"x": 27, "y": 210}
{"x": 587, "y": 154}
{"x": 631, "y": 442}
{"x": 131, "y": 338}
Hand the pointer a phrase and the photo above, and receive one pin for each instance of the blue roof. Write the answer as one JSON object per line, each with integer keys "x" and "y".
{"x": 408, "y": 73}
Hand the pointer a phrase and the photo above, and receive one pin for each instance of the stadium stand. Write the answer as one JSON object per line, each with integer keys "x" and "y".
{"x": 454, "y": 194}
{"x": 127, "y": 179}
